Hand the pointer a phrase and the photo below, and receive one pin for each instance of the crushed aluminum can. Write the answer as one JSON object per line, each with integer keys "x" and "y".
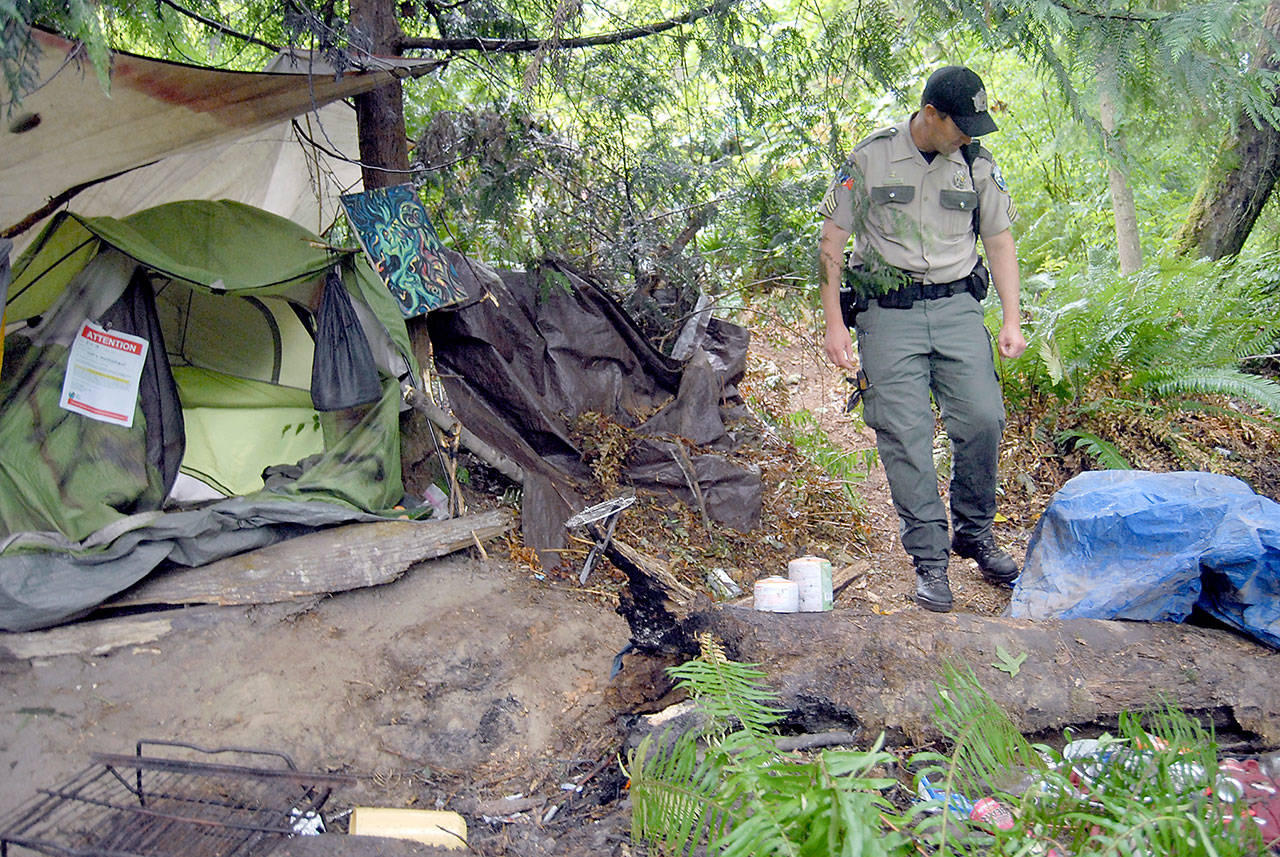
{"x": 990, "y": 811}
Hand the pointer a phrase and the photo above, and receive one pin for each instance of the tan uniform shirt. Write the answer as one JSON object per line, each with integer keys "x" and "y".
{"x": 912, "y": 214}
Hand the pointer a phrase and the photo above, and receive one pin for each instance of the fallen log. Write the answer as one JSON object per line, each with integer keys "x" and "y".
{"x": 850, "y": 670}
{"x": 331, "y": 560}
{"x": 100, "y": 636}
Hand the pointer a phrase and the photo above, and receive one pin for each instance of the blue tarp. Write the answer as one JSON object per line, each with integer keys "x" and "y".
{"x": 1129, "y": 544}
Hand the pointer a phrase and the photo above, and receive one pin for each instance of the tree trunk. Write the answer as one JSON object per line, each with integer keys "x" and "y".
{"x": 1239, "y": 182}
{"x": 1128, "y": 241}
{"x": 384, "y": 143}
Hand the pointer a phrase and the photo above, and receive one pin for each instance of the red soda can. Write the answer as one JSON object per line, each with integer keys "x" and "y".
{"x": 991, "y": 811}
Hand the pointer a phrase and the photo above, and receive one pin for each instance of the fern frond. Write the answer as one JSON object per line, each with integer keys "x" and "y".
{"x": 741, "y": 797}
{"x": 731, "y": 694}
{"x": 986, "y": 746}
{"x": 1107, "y": 455}
{"x": 674, "y": 794}
{"x": 1262, "y": 392}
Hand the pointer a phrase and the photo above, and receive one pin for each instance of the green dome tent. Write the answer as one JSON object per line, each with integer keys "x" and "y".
{"x": 226, "y": 299}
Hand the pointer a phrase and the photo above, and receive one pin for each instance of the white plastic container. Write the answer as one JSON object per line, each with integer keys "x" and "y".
{"x": 428, "y": 826}
{"x": 812, "y": 575}
{"x": 777, "y": 595}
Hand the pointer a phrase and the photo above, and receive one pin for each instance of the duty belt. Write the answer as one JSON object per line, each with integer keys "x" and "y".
{"x": 904, "y": 297}
{"x": 854, "y": 299}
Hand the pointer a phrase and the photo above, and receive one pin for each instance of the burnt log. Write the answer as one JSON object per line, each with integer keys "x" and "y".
{"x": 655, "y": 602}
{"x": 881, "y": 673}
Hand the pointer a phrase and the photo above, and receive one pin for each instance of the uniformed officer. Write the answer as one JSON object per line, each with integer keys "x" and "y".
{"x": 917, "y": 195}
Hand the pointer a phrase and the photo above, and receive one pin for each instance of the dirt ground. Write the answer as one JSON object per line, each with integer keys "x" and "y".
{"x": 470, "y": 684}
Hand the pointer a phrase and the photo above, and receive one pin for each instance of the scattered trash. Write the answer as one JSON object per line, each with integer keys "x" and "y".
{"x": 1247, "y": 788}
{"x": 723, "y": 584}
{"x": 438, "y": 501}
{"x": 307, "y": 823}
{"x": 440, "y": 828}
{"x": 957, "y": 802}
{"x": 1250, "y": 785}
{"x": 990, "y": 811}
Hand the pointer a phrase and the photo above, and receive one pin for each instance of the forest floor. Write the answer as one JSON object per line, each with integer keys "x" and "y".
{"x": 475, "y": 683}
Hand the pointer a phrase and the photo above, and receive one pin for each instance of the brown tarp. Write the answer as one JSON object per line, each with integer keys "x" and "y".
{"x": 549, "y": 345}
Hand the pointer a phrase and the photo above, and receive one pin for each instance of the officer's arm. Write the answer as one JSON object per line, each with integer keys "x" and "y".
{"x": 838, "y": 344}
{"x": 1002, "y": 258}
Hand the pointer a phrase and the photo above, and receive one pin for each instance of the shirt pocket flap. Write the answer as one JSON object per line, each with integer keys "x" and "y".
{"x": 959, "y": 200}
{"x": 899, "y": 193}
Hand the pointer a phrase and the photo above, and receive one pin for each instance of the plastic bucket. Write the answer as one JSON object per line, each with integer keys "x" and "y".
{"x": 776, "y": 595}
{"x": 812, "y": 574}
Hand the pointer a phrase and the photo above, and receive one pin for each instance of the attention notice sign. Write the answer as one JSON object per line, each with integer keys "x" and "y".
{"x": 103, "y": 373}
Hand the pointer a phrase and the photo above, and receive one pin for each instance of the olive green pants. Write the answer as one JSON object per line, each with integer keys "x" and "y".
{"x": 938, "y": 347}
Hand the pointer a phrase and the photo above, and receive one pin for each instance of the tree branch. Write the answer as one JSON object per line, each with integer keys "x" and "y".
{"x": 221, "y": 28}
{"x": 1131, "y": 18}
{"x": 55, "y": 202}
{"x": 525, "y": 45}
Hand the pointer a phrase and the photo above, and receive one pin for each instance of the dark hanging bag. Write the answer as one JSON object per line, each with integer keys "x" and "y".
{"x": 343, "y": 374}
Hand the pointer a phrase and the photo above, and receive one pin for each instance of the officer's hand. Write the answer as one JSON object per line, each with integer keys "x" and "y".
{"x": 1011, "y": 341}
{"x": 839, "y": 347}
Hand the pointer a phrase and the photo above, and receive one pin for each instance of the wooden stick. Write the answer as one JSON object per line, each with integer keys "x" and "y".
{"x": 486, "y": 453}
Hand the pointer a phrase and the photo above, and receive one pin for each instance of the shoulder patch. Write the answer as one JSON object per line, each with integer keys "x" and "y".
{"x": 998, "y": 177}
{"x": 882, "y": 134}
{"x": 845, "y": 174}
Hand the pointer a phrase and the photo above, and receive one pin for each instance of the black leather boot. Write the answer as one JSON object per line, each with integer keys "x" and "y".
{"x": 932, "y": 591}
{"x": 996, "y": 566}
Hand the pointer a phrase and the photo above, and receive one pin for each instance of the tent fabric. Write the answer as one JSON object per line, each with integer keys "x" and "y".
{"x": 553, "y": 346}
{"x": 1154, "y": 547}
{"x": 45, "y": 580}
{"x": 153, "y": 109}
{"x": 226, "y": 296}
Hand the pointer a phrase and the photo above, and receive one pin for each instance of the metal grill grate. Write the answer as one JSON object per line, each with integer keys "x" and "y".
{"x": 149, "y": 805}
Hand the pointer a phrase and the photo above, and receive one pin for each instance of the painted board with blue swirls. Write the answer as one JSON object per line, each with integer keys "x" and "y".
{"x": 403, "y": 247}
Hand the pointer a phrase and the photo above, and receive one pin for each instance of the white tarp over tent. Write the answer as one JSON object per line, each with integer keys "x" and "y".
{"x": 275, "y": 169}
{"x": 231, "y": 132}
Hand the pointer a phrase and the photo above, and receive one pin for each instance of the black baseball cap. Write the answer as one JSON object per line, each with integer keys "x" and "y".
{"x": 959, "y": 93}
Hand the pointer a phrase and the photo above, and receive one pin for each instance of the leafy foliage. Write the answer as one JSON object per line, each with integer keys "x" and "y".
{"x": 77, "y": 19}
{"x": 849, "y": 467}
{"x": 1177, "y": 334}
{"x": 738, "y": 795}
{"x": 986, "y": 746}
{"x": 1150, "y": 788}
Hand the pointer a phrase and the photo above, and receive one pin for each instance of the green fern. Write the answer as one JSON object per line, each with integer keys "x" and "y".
{"x": 734, "y": 793}
{"x": 1107, "y": 455}
{"x": 731, "y": 695}
{"x": 987, "y": 749}
{"x": 1225, "y": 382}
